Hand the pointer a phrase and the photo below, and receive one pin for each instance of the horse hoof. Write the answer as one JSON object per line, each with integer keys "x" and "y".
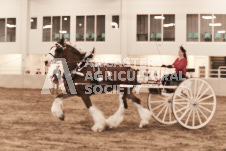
{"x": 98, "y": 128}
{"x": 113, "y": 122}
{"x": 143, "y": 123}
{"x": 62, "y": 117}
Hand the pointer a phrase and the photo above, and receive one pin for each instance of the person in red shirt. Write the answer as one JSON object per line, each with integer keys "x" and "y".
{"x": 180, "y": 65}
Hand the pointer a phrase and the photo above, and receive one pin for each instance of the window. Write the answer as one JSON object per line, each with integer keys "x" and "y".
{"x": 169, "y": 28}
{"x": 142, "y": 27}
{"x": 90, "y": 32}
{"x": 46, "y": 28}
{"x": 80, "y": 28}
{"x": 155, "y": 27}
{"x": 162, "y": 27}
{"x": 33, "y": 23}
{"x": 7, "y": 29}
{"x": 100, "y": 28}
{"x": 212, "y": 27}
{"x": 11, "y": 30}
{"x": 115, "y": 22}
{"x": 2, "y": 30}
{"x": 90, "y": 28}
{"x": 206, "y": 21}
{"x": 192, "y": 27}
{"x": 219, "y": 27}
{"x": 66, "y": 27}
{"x": 56, "y": 27}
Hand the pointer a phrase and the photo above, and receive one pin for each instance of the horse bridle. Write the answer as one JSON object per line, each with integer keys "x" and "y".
{"x": 57, "y": 45}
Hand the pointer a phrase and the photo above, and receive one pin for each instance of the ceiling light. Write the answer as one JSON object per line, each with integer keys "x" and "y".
{"x": 47, "y": 26}
{"x": 63, "y": 31}
{"x": 215, "y": 24}
{"x": 221, "y": 31}
{"x": 169, "y": 25}
{"x": 159, "y": 17}
{"x": 208, "y": 17}
{"x": 115, "y": 25}
{"x": 10, "y": 26}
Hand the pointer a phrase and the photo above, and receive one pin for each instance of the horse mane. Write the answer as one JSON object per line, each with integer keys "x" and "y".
{"x": 64, "y": 44}
{"x": 74, "y": 49}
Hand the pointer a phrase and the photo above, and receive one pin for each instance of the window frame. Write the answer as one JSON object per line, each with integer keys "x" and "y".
{"x": 118, "y": 21}
{"x": 149, "y": 28}
{"x": 61, "y": 24}
{"x": 6, "y": 30}
{"x": 85, "y": 28}
{"x": 36, "y": 23}
{"x": 173, "y": 25}
{"x": 50, "y": 34}
{"x": 212, "y": 21}
{"x": 5, "y": 19}
{"x": 95, "y": 27}
{"x": 199, "y": 28}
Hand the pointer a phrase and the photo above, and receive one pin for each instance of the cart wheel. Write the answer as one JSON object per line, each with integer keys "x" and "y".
{"x": 194, "y": 103}
{"x": 161, "y": 108}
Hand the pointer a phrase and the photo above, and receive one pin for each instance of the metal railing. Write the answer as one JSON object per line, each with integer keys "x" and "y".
{"x": 214, "y": 73}
{"x": 220, "y": 69}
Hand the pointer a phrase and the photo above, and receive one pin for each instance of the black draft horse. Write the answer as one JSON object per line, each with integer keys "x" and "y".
{"x": 111, "y": 75}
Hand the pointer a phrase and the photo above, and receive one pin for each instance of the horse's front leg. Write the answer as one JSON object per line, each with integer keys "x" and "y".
{"x": 57, "y": 106}
{"x": 97, "y": 115}
{"x": 114, "y": 120}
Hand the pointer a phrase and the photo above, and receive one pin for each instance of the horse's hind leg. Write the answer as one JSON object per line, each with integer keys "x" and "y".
{"x": 98, "y": 117}
{"x": 114, "y": 120}
{"x": 145, "y": 114}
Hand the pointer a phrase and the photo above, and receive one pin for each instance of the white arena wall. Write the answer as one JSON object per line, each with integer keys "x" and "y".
{"x": 180, "y": 8}
{"x": 121, "y": 41}
{"x": 12, "y": 8}
{"x": 22, "y": 81}
{"x": 74, "y": 8}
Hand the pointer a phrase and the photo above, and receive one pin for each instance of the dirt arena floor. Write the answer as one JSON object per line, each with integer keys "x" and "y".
{"x": 26, "y": 123}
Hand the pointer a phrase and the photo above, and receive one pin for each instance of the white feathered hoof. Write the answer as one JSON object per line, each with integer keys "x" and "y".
{"x": 99, "y": 120}
{"x": 145, "y": 115}
{"x": 114, "y": 121}
{"x": 98, "y": 127}
{"x": 57, "y": 110}
{"x": 143, "y": 123}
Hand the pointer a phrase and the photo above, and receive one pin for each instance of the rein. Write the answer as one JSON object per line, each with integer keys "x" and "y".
{"x": 51, "y": 55}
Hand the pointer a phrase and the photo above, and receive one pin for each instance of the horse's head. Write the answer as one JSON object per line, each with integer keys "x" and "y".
{"x": 63, "y": 50}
